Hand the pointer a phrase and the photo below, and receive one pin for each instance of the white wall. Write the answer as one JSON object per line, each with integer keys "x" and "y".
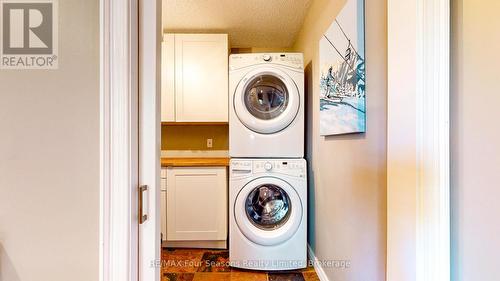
{"x": 475, "y": 135}
{"x": 49, "y": 158}
{"x": 347, "y": 188}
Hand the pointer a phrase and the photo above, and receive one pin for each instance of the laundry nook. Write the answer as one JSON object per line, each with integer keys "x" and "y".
{"x": 249, "y": 140}
{"x": 234, "y": 177}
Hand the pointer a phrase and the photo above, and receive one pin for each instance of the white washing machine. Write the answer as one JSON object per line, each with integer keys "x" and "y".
{"x": 268, "y": 214}
{"x": 266, "y": 104}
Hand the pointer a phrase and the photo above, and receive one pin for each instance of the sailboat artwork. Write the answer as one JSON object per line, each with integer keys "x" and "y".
{"x": 343, "y": 73}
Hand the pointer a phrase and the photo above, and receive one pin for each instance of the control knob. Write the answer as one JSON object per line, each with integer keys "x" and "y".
{"x": 268, "y": 166}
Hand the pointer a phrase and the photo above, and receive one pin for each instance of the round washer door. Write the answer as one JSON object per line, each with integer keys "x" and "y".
{"x": 266, "y": 100}
{"x": 268, "y": 211}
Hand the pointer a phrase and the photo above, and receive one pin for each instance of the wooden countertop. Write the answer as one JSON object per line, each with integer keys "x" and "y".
{"x": 194, "y": 162}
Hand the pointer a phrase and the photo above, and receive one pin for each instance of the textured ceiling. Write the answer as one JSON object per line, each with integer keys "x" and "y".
{"x": 249, "y": 23}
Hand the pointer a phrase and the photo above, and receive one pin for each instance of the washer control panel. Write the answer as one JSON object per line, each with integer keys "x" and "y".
{"x": 295, "y": 60}
{"x": 291, "y": 167}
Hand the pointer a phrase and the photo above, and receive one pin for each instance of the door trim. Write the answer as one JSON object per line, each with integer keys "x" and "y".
{"x": 118, "y": 237}
{"x": 129, "y": 98}
{"x": 418, "y": 187}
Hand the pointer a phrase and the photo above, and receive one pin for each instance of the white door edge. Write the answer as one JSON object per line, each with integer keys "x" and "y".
{"x": 150, "y": 136}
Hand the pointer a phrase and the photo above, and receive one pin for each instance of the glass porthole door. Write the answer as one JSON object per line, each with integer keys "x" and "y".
{"x": 268, "y": 211}
{"x": 266, "y": 100}
{"x": 266, "y": 97}
{"x": 268, "y": 206}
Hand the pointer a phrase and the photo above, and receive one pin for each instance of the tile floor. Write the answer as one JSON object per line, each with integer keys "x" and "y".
{"x": 210, "y": 265}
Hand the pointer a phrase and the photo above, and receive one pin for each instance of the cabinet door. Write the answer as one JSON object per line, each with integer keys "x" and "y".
{"x": 163, "y": 203}
{"x": 201, "y": 80}
{"x": 168, "y": 78}
{"x": 196, "y": 204}
{"x": 163, "y": 215}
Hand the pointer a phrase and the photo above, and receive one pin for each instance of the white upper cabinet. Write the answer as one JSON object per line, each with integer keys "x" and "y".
{"x": 200, "y": 87}
{"x": 201, "y": 76}
{"x": 168, "y": 78}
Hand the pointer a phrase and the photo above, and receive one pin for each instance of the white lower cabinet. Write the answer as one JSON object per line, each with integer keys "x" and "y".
{"x": 163, "y": 203}
{"x": 196, "y": 207}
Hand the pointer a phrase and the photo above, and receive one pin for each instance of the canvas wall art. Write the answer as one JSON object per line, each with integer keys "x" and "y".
{"x": 343, "y": 73}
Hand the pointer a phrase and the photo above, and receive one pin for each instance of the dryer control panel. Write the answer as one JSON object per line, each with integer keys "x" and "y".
{"x": 294, "y": 60}
{"x": 290, "y": 167}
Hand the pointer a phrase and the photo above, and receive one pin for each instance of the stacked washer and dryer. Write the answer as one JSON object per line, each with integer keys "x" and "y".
{"x": 268, "y": 181}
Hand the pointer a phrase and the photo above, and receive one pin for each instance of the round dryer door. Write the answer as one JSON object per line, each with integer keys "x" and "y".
{"x": 266, "y": 100}
{"x": 268, "y": 211}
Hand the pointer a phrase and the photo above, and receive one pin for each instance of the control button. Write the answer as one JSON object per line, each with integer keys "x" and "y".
{"x": 266, "y": 58}
{"x": 268, "y": 166}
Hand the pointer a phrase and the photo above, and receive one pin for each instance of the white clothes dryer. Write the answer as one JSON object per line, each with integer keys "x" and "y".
{"x": 266, "y": 104}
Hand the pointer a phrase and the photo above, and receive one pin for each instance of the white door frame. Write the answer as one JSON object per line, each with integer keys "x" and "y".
{"x": 418, "y": 187}
{"x": 119, "y": 141}
{"x": 418, "y": 139}
{"x": 130, "y": 99}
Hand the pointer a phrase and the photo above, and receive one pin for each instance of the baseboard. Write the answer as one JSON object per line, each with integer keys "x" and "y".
{"x": 317, "y": 265}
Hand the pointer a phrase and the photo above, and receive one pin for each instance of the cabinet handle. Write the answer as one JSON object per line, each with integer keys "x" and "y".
{"x": 143, "y": 216}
